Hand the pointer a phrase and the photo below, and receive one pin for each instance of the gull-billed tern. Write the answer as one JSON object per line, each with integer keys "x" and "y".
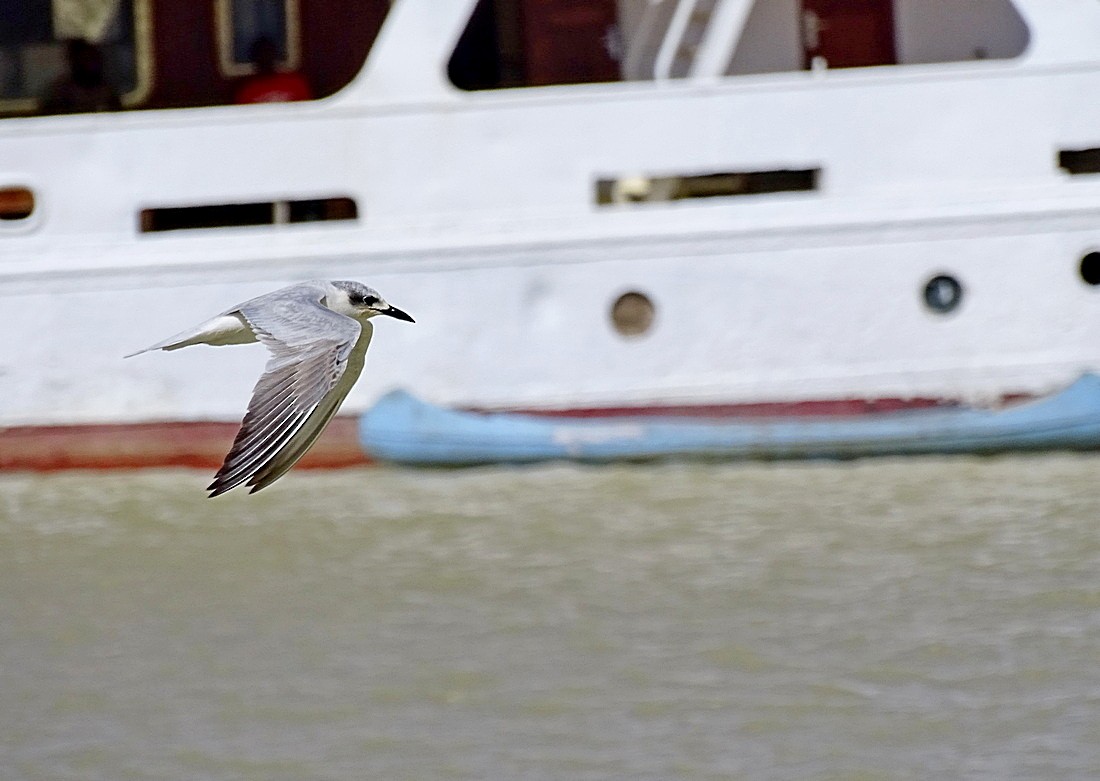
{"x": 318, "y": 333}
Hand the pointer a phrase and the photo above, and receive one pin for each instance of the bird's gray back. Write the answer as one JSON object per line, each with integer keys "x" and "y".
{"x": 296, "y": 316}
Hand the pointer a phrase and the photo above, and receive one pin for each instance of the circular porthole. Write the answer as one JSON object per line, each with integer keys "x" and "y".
{"x": 632, "y": 314}
{"x": 1090, "y": 268}
{"x": 943, "y": 294}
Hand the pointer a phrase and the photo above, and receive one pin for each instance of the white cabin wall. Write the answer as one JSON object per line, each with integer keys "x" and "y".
{"x": 474, "y": 169}
{"x": 938, "y": 31}
{"x": 396, "y": 72}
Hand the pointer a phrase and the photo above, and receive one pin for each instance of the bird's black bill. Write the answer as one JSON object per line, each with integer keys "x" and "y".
{"x": 393, "y": 311}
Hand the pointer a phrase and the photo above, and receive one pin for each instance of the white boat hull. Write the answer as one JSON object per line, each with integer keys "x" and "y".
{"x": 479, "y": 215}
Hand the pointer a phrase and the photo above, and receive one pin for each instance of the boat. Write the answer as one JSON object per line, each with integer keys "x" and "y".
{"x": 591, "y": 207}
{"x": 403, "y": 429}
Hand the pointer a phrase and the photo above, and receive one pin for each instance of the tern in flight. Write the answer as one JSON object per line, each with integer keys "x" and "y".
{"x": 318, "y": 333}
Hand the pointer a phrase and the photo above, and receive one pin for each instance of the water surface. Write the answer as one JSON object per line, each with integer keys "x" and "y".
{"x": 892, "y": 619}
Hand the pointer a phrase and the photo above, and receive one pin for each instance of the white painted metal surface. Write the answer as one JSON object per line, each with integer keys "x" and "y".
{"x": 478, "y": 216}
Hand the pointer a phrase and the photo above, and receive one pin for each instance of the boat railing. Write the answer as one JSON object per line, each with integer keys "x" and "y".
{"x": 684, "y": 38}
{"x": 689, "y": 17}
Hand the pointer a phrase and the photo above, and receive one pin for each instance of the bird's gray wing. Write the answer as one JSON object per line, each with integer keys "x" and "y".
{"x": 310, "y": 346}
{"x": 300, "y": 442}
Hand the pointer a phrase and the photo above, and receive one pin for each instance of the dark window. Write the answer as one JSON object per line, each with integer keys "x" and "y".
{"x": 479, "y": 61}
{"x": 1080, "y": 161}
{"x": 228, "y": 215}
{"x": 34, "y": 36}
{"x": 526, "y": 43}
{"x": 250, "y": 20}
{"x": 848, "y": 33}
{"x": 177, "y": 53}
{"x": 638, "y": 189}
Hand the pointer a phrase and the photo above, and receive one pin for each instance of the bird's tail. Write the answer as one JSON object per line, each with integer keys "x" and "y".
{"x": 173, "y": 343}
{"x": 223, "y": 329}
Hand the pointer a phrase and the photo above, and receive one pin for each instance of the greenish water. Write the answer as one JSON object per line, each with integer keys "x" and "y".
{"x": 919, "y": 619}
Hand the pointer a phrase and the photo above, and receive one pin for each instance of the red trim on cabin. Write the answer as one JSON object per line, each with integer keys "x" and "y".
{"x": 199, "y": 445}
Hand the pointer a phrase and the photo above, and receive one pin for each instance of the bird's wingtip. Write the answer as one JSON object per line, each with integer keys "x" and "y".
{"x": 217, "y": 488}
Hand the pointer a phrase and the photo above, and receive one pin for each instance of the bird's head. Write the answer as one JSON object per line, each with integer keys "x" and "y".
{"x": 364, "y": 303}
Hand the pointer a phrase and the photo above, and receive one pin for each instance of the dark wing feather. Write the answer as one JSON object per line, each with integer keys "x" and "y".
{"x": 310, "y": 346}
{"x": 297, "y": 445}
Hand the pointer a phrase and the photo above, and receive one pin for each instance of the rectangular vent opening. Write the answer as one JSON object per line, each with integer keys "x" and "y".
{"x": 648, "y": 189}
{"x": 234, "y": 215}
{"x": 1080, "y": 161}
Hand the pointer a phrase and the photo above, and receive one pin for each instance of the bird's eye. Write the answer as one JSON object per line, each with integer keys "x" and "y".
{"x": 369, "y": 300}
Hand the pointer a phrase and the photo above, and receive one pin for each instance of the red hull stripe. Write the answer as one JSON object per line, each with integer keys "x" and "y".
{"x": 201, "y": 445}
